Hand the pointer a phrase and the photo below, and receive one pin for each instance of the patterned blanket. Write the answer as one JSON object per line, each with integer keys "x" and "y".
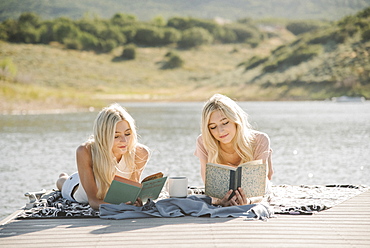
{"x": 309, "y": 199}
{"x": 283, "y": 199}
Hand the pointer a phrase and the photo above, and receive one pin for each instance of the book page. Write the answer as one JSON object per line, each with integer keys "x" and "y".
{"x": 253, "y": 179}
{"x": 126, "y": 180}
{"x": 217, "y": 181}
{"x": 153, "y": 176}
{"x": 151, "y": 189}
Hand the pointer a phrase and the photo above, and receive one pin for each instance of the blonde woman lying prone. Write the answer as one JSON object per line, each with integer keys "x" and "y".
{"x": 228, "y": 138}
{"x": 112, "y": 149}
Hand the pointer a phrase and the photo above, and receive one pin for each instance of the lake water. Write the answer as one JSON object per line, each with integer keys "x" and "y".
{"x": 313, "y": 143}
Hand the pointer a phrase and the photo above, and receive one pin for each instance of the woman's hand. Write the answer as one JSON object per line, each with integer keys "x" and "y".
{"x": 138, "y": 203}
{"x": 238, "y": 199}
{"x": 225, "y": 201}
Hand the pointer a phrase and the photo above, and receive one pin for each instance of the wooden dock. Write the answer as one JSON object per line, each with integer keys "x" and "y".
{"x": 345, "y": 225}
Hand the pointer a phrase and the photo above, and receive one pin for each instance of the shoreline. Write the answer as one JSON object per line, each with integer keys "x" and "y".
{"x": 35, "y": 109}
{"x": 46, "y": 111}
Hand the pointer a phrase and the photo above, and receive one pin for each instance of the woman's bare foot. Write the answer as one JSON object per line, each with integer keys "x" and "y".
{"x": 62, "y": 178}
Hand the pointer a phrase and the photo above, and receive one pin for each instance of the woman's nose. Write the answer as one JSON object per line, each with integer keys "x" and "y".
{"x": 123, "y": 138}
{"x": 220, "y": 128}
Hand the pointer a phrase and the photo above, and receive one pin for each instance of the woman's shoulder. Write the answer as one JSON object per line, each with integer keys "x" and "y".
{"x": 84, "y": 156}
{"x": 142, "y": 148}
{"x": 200, "y": 142}
{"x": 260, "y": 136}
{"x": 142, "y": 151}
{"x": 84, "y": 148}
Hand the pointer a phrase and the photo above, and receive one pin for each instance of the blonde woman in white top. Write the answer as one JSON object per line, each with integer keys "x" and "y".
{"x": 228, "y": 138}
{"x": 112, "y": 149}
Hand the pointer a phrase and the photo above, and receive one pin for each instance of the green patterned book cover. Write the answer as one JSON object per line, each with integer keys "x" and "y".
{"x": 123, "y": 190}
{"x": 251, "y": 177}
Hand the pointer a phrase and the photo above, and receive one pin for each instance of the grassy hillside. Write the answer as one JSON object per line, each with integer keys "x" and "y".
{"x": 320, "y": 64}
{"x": 146, "y": 10}
{"x": 50, "y": 76}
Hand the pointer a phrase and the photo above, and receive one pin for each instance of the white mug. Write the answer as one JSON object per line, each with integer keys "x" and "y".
{"x": 177, "y": 186}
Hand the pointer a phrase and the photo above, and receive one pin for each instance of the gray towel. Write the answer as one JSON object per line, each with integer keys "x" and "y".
{"x": 178, "y": 207}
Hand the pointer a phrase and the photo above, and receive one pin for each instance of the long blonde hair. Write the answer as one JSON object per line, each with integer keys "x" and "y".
{"x": 244, "y": 137}
{"x": 103, "y": 159}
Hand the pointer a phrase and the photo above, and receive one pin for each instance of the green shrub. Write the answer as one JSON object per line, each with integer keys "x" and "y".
{"x": 244, "y": 32}
{"x": 159, "y": 21}
{"x": 170, "y": 36}
{"x": 365, "y": 35}
{"x": 106, "y": 46}
{"x": 15, "y": 31}
{"x": 174, "y": 61}
{"x": 129, "y": 32}
{"x": 89, "y": 26}
{"x": 302, "y": 54}
{"x": 121, "y": 19}
{"x": 184, "y": 23}
{"x": 129, "y": 52}
{"x": 226, "y": 35}
{"x": 364, "y": 13}
{"x": 300, "y": 27}
{"x": 30, "y": 19}
{"x": 254, "y": 62}
{"x": 9, "y": 27}
{"x": 270, "y": 67}
{"x": 149, "y": 36}
{"x": 194, "y": 37}
{"x": 169, "y": 54}
{"x": 253, "y": 42}
{"x": 88, "y": 41}
{"x": 180, "y": 23}
{"x": 63, "y": 30}
{"x": 211, "y": 26}
{"x": 112, "y": 34}
{"x": 46, "y": 33}
{"x": 3, "y": 33}
{"x": 295, "y": 57}
{"x": 8, "y": 70}
{"x": 323, "y": 38}
{"x": 72, "y": 44}
{"x": 350, "y": 30}
{"x": 30, "y": 35}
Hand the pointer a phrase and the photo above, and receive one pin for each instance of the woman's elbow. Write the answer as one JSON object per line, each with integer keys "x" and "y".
{"x": 94, "y": 204}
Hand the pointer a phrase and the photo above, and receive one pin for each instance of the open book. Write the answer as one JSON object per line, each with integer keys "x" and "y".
{"x": 123, "y": 190}
{"x": 250, "y": 176}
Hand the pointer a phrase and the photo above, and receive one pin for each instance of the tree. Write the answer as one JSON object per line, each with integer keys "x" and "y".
{"x": 121, "y": 19}
{"x": 64, "y": 28}
{"x": 29, "y": 18}
{"x": 150, "y": 36}
{"x": 171, "y": 35}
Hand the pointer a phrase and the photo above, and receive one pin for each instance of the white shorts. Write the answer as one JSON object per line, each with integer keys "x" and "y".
{"x": 69, "y": 185}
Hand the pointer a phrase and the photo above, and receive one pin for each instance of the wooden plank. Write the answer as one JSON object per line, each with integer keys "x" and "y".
{"x": 346, "y": 225}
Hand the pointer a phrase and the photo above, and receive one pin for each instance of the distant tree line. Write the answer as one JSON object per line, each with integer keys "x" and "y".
{"x": 103, "y": 35}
